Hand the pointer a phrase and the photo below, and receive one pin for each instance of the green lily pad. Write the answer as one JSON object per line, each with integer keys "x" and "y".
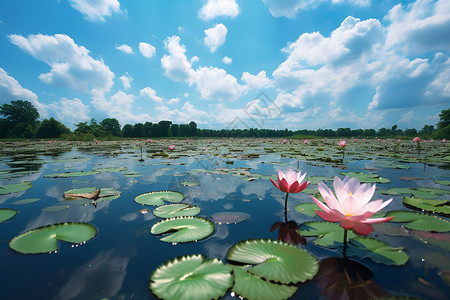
{"x": 187, "y": 229}
{"x": 45, "y": 239}
{"x": 434, "y": 205}
{"x": 14, "y": 188}
{"x": 274, "y": 260}
{"x": 328, "y": 234}
{"x": 229, "y": 217}
{"x": 253, "y": 287}
{"x": 111, "y": 169}
{"x": 7, "y": 213}
{"x": 72, "y": 174}
{"x": 317, "y": 179}
{"x": 443, "y": 182}
{"x": 191, "y": 277}
{"x": 441, "y": 240}
{"x": 419, "y": 221}
{"x": 415, "y": 192}
{"x": 308, "y": 209}
{"x": 158, "y": 198}
{"x": 26, "y": 201}
{"x": 176, "y": 210}
{"x": 366, "y": 177}
{"x": 378, "y": 251}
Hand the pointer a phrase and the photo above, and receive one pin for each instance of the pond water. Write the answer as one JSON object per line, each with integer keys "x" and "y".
{"x": 217, "y": 176}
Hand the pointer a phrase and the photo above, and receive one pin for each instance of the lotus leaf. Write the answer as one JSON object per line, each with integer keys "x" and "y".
{"x": 14, "y": 188}
{"x": 274, "y": 260}
{"x": 72, "y": 174}
{"x": 176, "y": 210}
{"x": 328, "y": 234}
{"x": 26, "y": 201}
{"x": 437, "y": 206}
{"x": 366, "y": 177}
{"x": 45, "y": 239}
{"x": 378, "y": 251}
{"x": 187, "y": 229}
{"x": 420, "y": 221}
{"x": 158, "y": 198}
{"x": 7, "y": 213}
{"x": 308, "y": 209}
{"x": 191, "y": 277}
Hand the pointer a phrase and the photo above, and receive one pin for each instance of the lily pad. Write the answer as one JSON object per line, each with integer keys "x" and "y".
{"x": 45, "y": 239}
{"x": 14, "y": 188}
{"x": 274, "y": 260}
{"x": 317, "y": 179}
{"x": 415, "y": 192}
{"x": 111, "y": 169}
{"x": 308, "y": 209}
{"x": 366, "y": 177}
{"x": 229, "y": 217}
{"x": 191, "y": 277}
{"x": 158, "y": 198}
{"x": 187, "y": 229}
{"x": 328, "y": 234}
{"x": 434, "y": 205}
{"x": 7, "y": 213}
{"x": 443, "y": 182}
{"x": 26, "y": 201}
{"x": 378, "y": 251}
{"x": 72, "y": 174}
{"x": 253, "y": 287}
{"x": 420, "y": 221}
{"x": 176, "y": 210}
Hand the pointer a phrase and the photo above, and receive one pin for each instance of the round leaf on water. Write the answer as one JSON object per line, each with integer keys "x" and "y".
{"x": 378, "y": 251}
{"x": 176, "y": 210}
{"x": 328, "y": 234}
{"x": 229, "y": 217}
{"x": 158, "y": 198}
{"x": 274, "y": 260}
{"x": 14, "y": 188}
{"x": 366, "y": 177}
{"x": 111, "y": 169}
{"x": 7, "y": 213}
{"x": 308, "y": 209}
{"x": 187, "y": 229}
{"x": 419, "y": 221}
{"x": 252, "y": 287}
{"x": 438, "y": 206}
{"x": 26, "y": 201}
{"x": 45, "y": 239}
{"x": 191, "y": 277}
{"x": 443, "y": 182}
{"x": 72, "y": 174}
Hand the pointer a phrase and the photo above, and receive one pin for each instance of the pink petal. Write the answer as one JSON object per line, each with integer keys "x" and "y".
{"x": 284, "y": 186}
{"x": 377, "y": 220}
{"x": 274, "y": 183}
{"x": 291, "y": 176}
{"x": 303, "y": 186}
{"x": 362, "y": 228}
{"x": 347, "y": 224}
{"x": 350, "y": 205}
{"x": 294, "y": 186}
{"x": 330, "y": 217}
{"x": 321, "y": 205}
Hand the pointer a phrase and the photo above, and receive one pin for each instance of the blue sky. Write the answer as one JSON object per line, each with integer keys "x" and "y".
{"x": 229, "y": 63}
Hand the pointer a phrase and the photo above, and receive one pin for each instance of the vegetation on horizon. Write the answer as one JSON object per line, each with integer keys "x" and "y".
{"x": 20, "y": 120}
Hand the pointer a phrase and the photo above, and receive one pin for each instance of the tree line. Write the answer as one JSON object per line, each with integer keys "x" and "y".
{"x": 20, "y": 120}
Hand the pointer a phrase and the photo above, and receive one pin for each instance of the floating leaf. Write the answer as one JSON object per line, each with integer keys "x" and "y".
{"x": 441, "y": 240}
{"x": 415, "y": 192}
{"x": 438, "y": 206}
{"x": 158, "y": 198}
{"x": 366, "y": 177}
{"x": 45, "y": 239}
{"x": 176, "y": 210}
{"x": 26, "y": 201}
{"x": 229, "y": 217}
{"x": 378, "y": 251}
{"x": 7, "y": 213}
{"x": 187, "y": 229}
{"x": 419, "y": 221}
{"x": 443, "y": 182}
{"x": 14, "y": 188}
{"x": 308, "y": 209}
{"x": 274, "y": 260}
{"x": 191, "y": 277}
{"x": 252, "y": 287}
{"x": 72, "y": 174}
{"x": 317, "y": 179}
{"x": 328, "y": 234}
{"x": 111, "y": 169}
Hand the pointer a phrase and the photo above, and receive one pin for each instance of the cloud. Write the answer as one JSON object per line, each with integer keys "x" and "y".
{"x": 96, "y": 10}
{"x": 189, "y": 113}
{"x": 219, "y": 8}
{"x": 227, "y": 60}
{"x": 125, "y": 49}
{"x": 173, "y": 101}
{"x": 150, "y": 93}
{"x": 126, "y": 80}
{"x": 10, "y": 89}
{"x": 215, "y": 37}
{"x": 259, "y": 81}
{"x": 422, "y": 27}
{"x": 70, "y": 111}
{"x": 289, "y": 8}
{"x": 71, "y": 65}
{"x": 211, "y": 82}
{"x": 146, "y": 49}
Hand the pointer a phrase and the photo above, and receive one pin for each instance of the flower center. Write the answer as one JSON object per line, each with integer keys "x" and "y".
{"x": 350, "y": 193}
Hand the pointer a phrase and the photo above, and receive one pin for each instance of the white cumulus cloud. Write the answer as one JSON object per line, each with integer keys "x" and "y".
{"x": 259, "y": 81}
{"x": 219, "y": 8}
{"x": 70, "y": 111}
{"x": 146, "y": 49}
{"x": 126, "y": 80}
{"x": 150, "y": 93}
{"x": 227, "y": 60}
{"x": 71, "y": 65}
{"x": 215, "y": 37}
{"x": 125, "y": 49}
{"x": 96, "y": 10}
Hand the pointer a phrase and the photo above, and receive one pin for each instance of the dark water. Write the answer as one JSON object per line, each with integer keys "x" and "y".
{"x": 118, "y": 262}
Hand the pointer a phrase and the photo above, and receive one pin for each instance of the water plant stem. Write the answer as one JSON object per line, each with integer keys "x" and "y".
{"x": 285, "y": 202}
{"x": 345, "y": 243}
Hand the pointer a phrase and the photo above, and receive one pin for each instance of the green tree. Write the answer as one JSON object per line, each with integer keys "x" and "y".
{"x": 112, "y": 126}
{"x": 192, "y": 128}
{"x": 127, "y": 130}
{"x": 443, "y": 126}
{"x": 138, "y": 130}
{"x": 51, "y": 128}
{"x": 163, "y": 127}
{"x": 19, "y": 111}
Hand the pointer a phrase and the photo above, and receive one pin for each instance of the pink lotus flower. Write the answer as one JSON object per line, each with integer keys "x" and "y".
{"x": 351, "y": 205}
{"x": 342, "y": 143}
{"x": 171, "y": 147}
{"x": 416, "y": 139}
{"x": 291, "y": 182}
{"x": 284, "y": 141}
